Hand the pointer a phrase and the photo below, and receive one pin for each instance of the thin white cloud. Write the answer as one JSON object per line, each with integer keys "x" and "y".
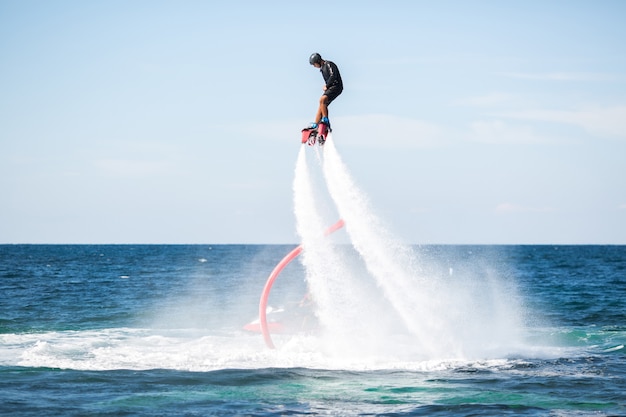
{"x": 134, "y": 159}
{"x": 507, "y": 208}
{"x": 491, "y": 99}
{"x": 499, "y": 132}
{"x": 560, "y": 76}
{"x": 388, "y": 131}
{"x": 132, "y": 167}
{"x": 419, "y": 210}
{"x": 607, "y": 121}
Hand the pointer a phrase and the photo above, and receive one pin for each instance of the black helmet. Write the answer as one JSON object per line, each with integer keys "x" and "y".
{"x": 315, "y": 59}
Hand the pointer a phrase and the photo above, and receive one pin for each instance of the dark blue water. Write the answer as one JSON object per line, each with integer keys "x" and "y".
{"x": 150, "y": 330}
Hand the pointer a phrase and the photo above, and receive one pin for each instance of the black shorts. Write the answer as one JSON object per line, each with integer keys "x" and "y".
{"x": 333, "y": 92}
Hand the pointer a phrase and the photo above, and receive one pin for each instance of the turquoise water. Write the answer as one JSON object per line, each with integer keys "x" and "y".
{"x": 157, "y": 330}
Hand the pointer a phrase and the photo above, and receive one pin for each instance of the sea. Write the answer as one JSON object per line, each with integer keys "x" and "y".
{"x": 392, "y": 329}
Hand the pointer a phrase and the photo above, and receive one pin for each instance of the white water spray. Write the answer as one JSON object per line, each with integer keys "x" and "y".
{"x": 393, "y": 302}
{"x": 332, "y": 284}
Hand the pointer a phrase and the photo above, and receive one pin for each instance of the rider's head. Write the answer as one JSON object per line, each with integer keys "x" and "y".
{"x": 315, "y": 60}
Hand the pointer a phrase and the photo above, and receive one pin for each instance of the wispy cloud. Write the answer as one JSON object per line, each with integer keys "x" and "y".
{"x": 499, "y": 132}
{"x": 608, "y": 121}
{"x": 491, "y": 99}
{"x": 507, "y": 208}
{"x": 561, "y": 76}
{"x": 133, "y": 167}
{"x": 419, "y": 210}
{"x": 135, "y": 159}
{"x": 389, "y": 131}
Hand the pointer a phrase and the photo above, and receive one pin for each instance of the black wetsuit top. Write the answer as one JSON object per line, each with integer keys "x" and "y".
{"x": 331, "y": 75}
{"x": 332, "y": 78}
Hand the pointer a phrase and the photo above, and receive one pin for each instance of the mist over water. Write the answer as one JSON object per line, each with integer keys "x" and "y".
{"x": 380, "y": 304}
{"x": 379, "y": 296}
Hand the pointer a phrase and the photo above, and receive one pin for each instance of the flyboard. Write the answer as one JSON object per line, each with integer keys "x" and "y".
{"x": 262, "y": 323}
{"x": 315, "y": 133}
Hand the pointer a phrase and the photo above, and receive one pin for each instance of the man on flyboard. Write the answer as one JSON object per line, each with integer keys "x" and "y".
{"x": 332, "y": 88}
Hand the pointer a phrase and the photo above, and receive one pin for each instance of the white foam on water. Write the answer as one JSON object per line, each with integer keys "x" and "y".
{"x": 197, "y": 351}
{"x": 190, "y": 350}
{"x": 136, "y": 349}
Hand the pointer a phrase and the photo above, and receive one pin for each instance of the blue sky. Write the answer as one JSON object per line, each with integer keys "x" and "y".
{"x": 489, "y": 122}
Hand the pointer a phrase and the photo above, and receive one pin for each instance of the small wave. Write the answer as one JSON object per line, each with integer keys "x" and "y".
{"x": 195, "y": 350}
{"x": 613, "y": 349}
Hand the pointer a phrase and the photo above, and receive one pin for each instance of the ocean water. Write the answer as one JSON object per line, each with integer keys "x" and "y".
{"x": 157, "y": 330}
{"x": 393, "y": 329}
